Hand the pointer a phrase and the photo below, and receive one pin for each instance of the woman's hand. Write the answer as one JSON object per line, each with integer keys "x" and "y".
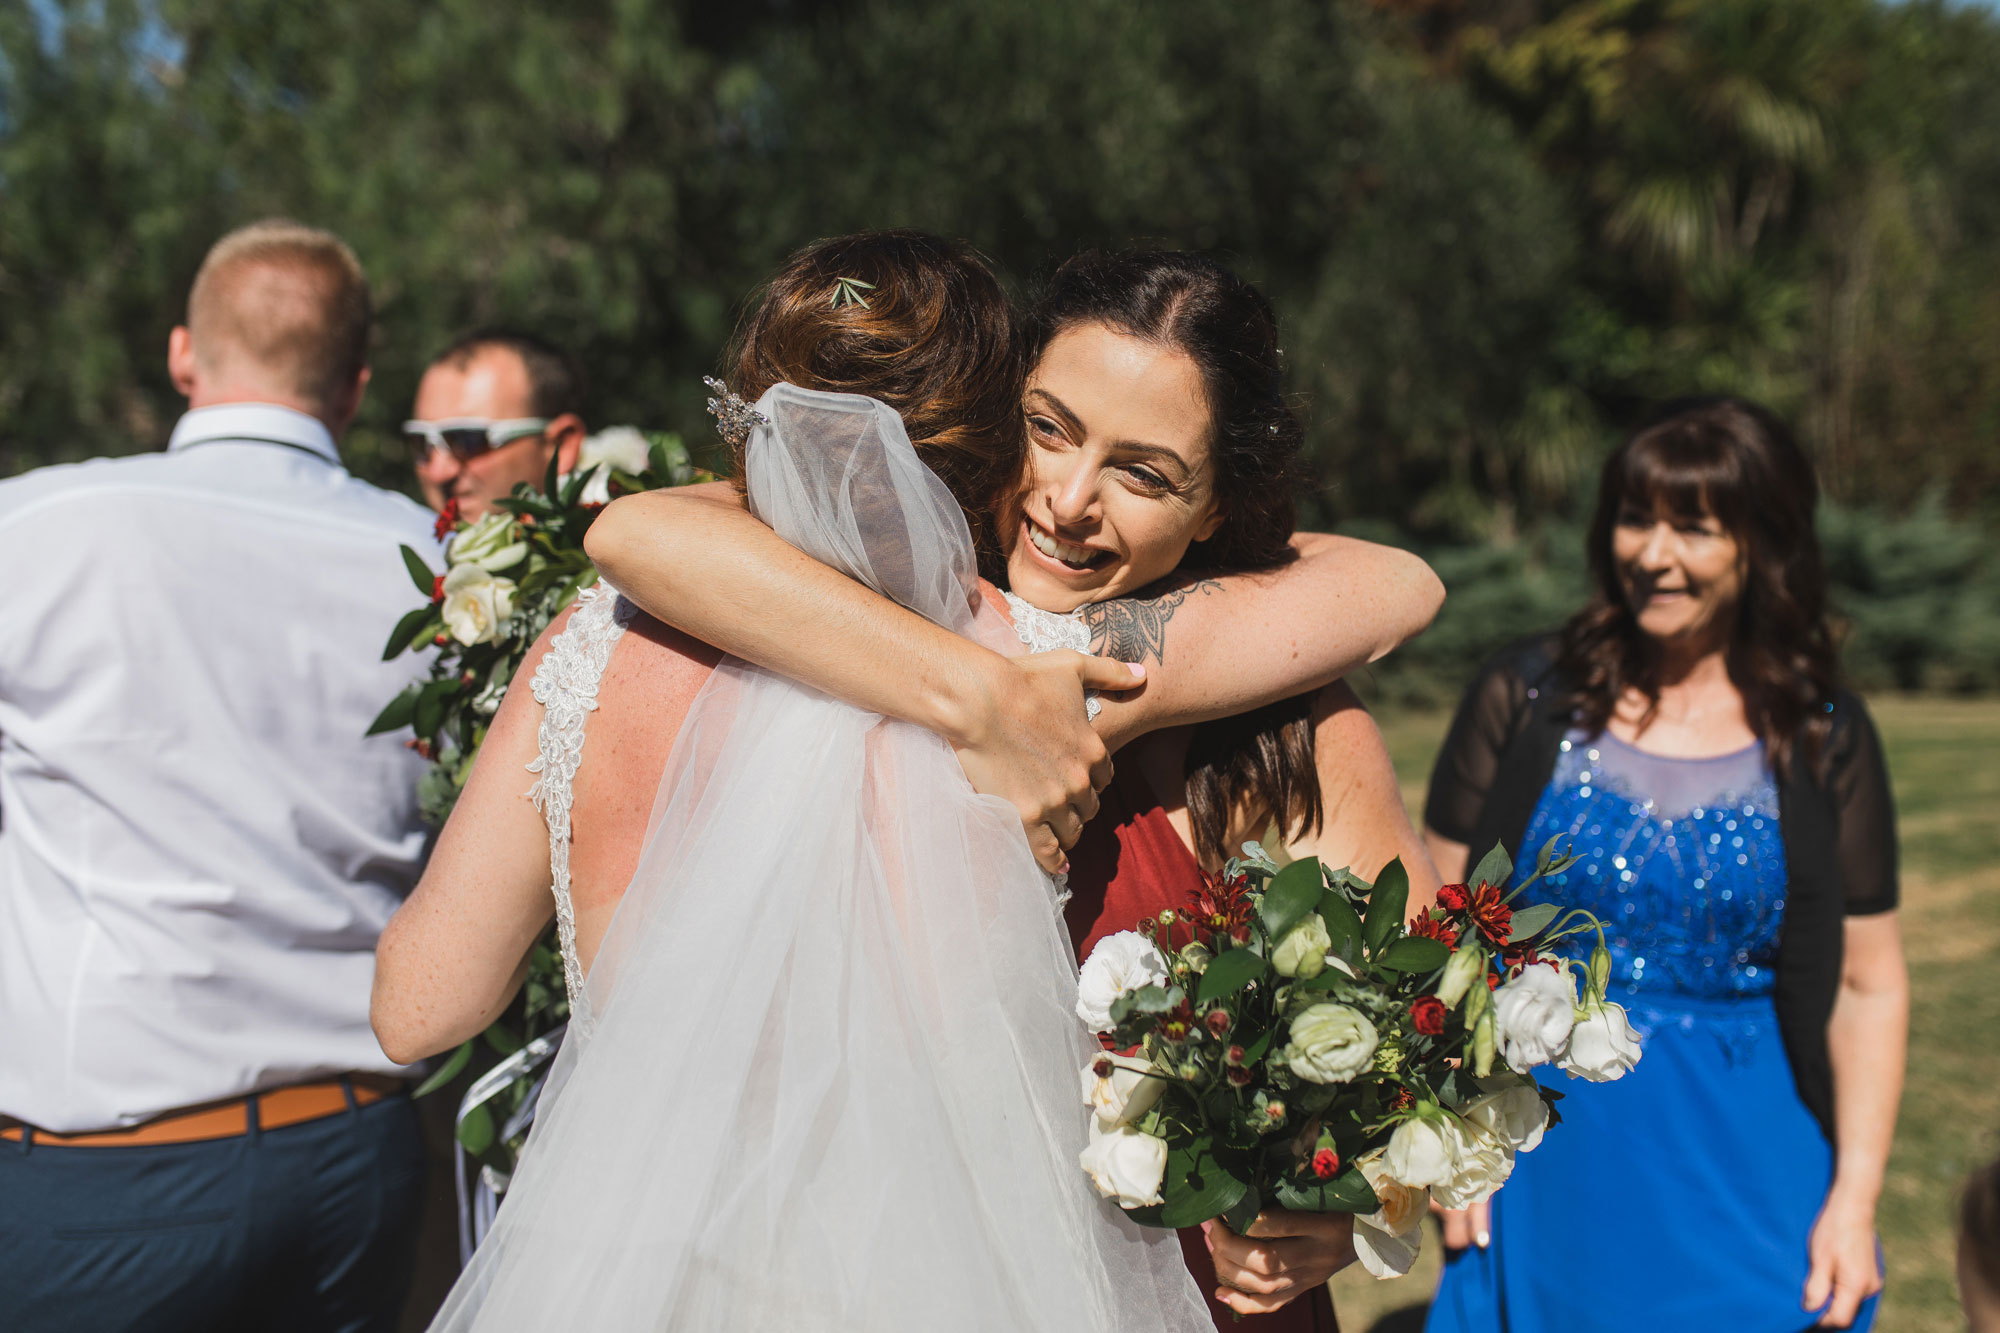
{"x": 1846, "y": 1266}
{"x": 1284, "y": 1257}
{"x": 1466, "y": 1226}
{"x": 1029, "y": 742}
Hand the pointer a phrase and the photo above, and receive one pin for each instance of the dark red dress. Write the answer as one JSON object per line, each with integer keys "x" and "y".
{"x": 1130, "y": 864}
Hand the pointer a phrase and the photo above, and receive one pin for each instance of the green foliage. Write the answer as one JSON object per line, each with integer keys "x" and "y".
{"x": 1493, "y": 232}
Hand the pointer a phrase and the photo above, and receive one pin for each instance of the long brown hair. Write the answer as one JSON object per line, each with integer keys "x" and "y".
{"x": 1261, "y": 760}
{"x": 1738, "y": 462}
{"x": 919, "y": 323}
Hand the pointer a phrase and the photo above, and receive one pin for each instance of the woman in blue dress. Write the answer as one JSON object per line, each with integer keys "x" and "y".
{"x": 1729, "y": 803}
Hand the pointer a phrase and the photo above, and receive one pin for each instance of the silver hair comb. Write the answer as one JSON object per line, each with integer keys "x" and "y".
{"x": 734, "y": 418}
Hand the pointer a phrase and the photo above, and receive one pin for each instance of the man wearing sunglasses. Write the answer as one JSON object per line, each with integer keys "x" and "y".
{"x": 491, "y": 411}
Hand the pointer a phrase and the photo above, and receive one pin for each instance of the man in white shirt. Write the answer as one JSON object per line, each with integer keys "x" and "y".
{"x": 199, "y": 846}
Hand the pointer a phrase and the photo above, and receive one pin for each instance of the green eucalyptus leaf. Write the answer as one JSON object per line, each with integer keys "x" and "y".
{"x": 405, "y": 634}
{"x": 1495, "y": 868}
{"x": 1348, "y": 1192}
{"x": 1243, "y": 1212}
{"x": 1414, "y": 953}
{"x": 1342, "y": 925}
{"x": 1198, "y": 1186}
{"x": 1532, "y": 921}
{"x": 1292, "y": 892}
{"x": 446, "y": 1072}
{"x": 1385, "y": 905}
{"x": 1228, "y": 973}
{"x": 427, "y": 714}
{"x": 502, "y": 1040}
{"x": 475, "y": 1132}
{"x": 421, "y": 574}
{"x": 397, "y": 714}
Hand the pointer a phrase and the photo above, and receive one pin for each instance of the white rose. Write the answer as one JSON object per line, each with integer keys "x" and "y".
{"x": 1125, "y": 1094}
{"x": 1302, "y": 953}
{"x": 621, "y": 447}
{"x": 476, "y": 604}
{"x": 1125, "y": 1165}
{"x": 1515, "y": 1115}
{"x": 1330, "y": 1043}
{"x": 493, "y": 543}
{"x": 1466, "y": 965}
{"x": 1535, "y": 1012}
{"x": 1604, "y": 1047}
{"x": 1123, "y": 962}
{"x": 1387, "y": 1240}
{"x": 1420, "y": 1153}
{"x": 1481, "y": 1164}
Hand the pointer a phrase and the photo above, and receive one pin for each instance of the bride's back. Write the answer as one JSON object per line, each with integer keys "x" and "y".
{"x": 915, "y": 321}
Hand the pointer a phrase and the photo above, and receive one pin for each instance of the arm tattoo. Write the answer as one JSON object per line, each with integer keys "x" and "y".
{"x": 1134, "y": 629}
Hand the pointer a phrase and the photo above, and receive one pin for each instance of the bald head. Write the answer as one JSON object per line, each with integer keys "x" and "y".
{"x": 278, "y": 313}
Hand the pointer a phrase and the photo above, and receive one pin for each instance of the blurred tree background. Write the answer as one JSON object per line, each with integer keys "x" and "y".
{"x": 1496, "y": 230}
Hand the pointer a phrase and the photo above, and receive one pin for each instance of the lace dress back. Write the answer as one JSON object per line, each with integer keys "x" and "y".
{"x": 565, "y": 684}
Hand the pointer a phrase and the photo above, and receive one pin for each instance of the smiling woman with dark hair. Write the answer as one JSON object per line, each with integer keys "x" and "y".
{"x": 1686, "y": 734}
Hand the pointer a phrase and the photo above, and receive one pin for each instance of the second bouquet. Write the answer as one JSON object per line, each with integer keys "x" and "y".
{"x": 1288, "y": 1039}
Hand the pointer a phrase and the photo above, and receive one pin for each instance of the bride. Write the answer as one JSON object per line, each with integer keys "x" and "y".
{"x": 821, "y": 1069}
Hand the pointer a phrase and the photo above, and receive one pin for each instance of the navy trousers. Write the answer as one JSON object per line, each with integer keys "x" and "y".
{"x": 310, "y": 1227}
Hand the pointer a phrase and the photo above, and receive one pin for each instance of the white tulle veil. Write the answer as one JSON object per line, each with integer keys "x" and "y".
{"x": 832, "y": 1077}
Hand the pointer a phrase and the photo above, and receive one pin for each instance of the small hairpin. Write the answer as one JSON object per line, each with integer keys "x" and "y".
{"x": 847, "y": 291}
{"x": 734, "y": 418}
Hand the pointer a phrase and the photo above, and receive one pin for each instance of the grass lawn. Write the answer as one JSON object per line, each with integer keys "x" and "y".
{"x": 1942, "y": 758}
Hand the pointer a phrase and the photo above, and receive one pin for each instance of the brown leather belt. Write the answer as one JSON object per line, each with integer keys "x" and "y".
{"x": 276, "y": 1109}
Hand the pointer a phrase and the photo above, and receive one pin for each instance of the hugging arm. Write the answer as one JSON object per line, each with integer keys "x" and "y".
{"x": 454, "y": 954}
{"x": 1210, "y": 648}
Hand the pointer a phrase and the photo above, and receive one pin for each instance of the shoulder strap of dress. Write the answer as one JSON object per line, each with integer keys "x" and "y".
{"x": 565, "y": 684}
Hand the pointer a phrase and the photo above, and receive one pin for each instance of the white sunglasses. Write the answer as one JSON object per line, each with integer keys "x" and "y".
{"x": 466, "y": 438}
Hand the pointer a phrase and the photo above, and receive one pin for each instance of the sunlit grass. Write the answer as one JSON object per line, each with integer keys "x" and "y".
{"x": 1942, "y": 756}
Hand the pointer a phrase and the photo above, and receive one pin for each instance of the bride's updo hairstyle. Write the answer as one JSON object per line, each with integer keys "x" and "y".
{"x": 915, "y": 321}
{"x": 1261, "y": 760}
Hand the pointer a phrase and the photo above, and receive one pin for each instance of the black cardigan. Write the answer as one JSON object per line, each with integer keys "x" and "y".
{"x": 1838, "y": 826}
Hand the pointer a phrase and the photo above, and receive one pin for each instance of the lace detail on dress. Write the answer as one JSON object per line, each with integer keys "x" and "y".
{"x": 565, "y": 684}
{"x": 1047, "y": 631}
{"x": 1043, "y": 632}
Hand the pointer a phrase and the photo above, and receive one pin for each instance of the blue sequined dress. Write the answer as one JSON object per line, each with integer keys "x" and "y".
{"x": 1682, "y": 1196}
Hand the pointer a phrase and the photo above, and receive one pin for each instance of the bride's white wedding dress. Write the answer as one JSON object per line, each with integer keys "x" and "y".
{"x": 824, "y": 1073}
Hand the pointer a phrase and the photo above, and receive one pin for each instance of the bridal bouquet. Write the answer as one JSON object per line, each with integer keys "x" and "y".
{"x": 1286, "y": 1039}
{"x": 506, "y": 577}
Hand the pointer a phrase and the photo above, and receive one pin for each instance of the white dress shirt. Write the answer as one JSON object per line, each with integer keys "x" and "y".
{"x": 198, "y": 846}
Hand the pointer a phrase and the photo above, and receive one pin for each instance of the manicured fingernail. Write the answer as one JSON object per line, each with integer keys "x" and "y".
{"x": 1137, "y": 670}
{"x": 1484, "y": 1239}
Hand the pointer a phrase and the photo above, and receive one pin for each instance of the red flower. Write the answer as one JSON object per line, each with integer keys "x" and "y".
{"x": 440, "y": 638}
{"x": 1453, "y": 898}
{"x": 420, "y": 745}
{"x": 1403, "y": 1100}
{"x": 1221, "y": 905}
{"x": 1427, "y": 1013}
{"x": 1493, "y": 917}
{"x": 1435, "y": 925}
{"x": 1218, "y": 1022}
{"x": 437, "y": 589}
{"x": 447, "y": 520}
{"x": 1326, "y": 1163}
{"x": 1239, "y": 1077}
{"x": 1233, "y": 1056}
{"x": 1178, "y": 1023}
